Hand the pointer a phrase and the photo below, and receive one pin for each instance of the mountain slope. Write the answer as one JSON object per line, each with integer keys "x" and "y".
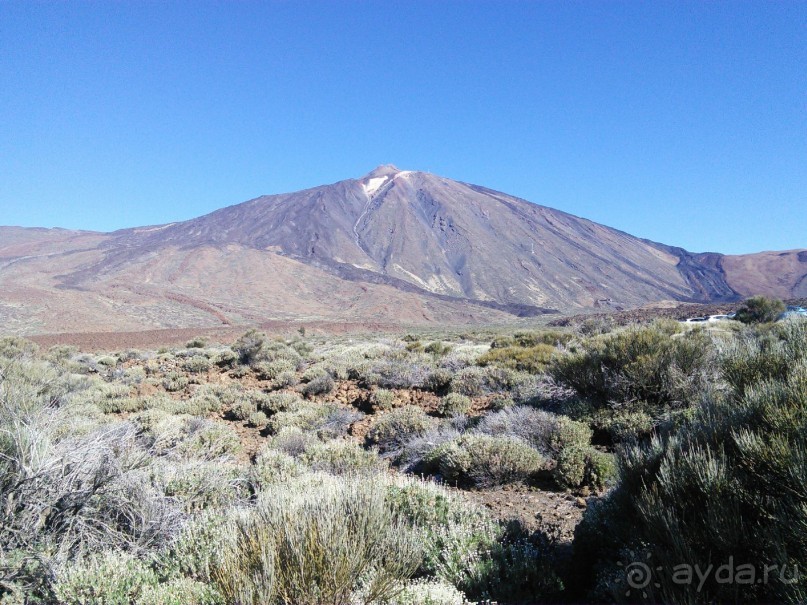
{"x": 391, "y": 246}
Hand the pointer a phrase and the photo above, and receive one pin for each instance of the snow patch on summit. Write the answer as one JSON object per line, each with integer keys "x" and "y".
{"x": 372, "y": 185}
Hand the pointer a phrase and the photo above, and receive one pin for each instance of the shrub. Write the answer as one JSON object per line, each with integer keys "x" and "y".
{"x": 284, "y": 380}
{"x": 257, "y": 419}
{"x": 339, "y": 457}
{"x": 391, "y": 430}
{"x": 654, "y": 368}
{"x": 249, "y": 346}
{"x": 173, "y": 381}
{"x": 416, "y": 454}
{"x": 430, "y": 592}
{"x": 337, "y": 422}
{"x": 319, "y": 386}
{"x": 206, "y": 399}
{"x": 527, "y": 340}
{"x": 243, "y": 409}
{"x": 466, "y": 548}
{"x": 453, "y": 404}
{"x": 202, "y": 484}
{"x": 469, "y": 382}
{"x": 530, "y": 359}
{"x": 226, "y": 358}
{"x": 293, "y": 441}
{"x": 532, "y": 426}
{"x": 501, "y": 402}
{"x": 199, "y": 342}
{"x": 437, "y": 348}
{"x": 308, "y": 417}
{"x": 315, "y": 544}
{"x": 382, "y": 399}
{"x": 274, "y": 466}
{"x": 270, "y": 370}
{"x": 114, "y": 579}
{"x": 198, "y": 364}
{"x": 570, "y": 467}
{"x": 207, "y": 440}
{"x": 438, "y": 381}
{"x": 279, "y": 402}
{"x": 727, "y": 486}
{"x": 759, "y": 309}
{"x": 568, "y": 433}
{"x": 484, "y": 461}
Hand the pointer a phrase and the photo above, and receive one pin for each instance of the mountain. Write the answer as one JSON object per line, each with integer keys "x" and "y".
{"x": 392, "y": 246}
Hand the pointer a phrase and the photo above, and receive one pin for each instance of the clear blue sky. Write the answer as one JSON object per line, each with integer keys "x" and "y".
{"x": 682, "y": 122}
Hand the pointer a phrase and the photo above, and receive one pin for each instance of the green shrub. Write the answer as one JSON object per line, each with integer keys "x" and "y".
{"x": 307, "y": 417}
{"x": 108, "y": 579}
{"x": 206, "y": 399}
{"x": 438, "y": 381}
{"x": 391, "y": 430}
{"x": 382, "y": 399}
{"x": 270, "y": 370}
{"x": 453, "y": 404}
{"x": 438, "y": 349}
{"x": 339, "y": 457}
{"x": 249, "y": 346}
{"x": 198, "y": 342}
{"x": 226, "y": 358}
{"x": 469, "y": 550}
{"x": 180, "y": 591}
{"x": 318, "y": 544}
{"x": 729, "y": 485}
{"x": 652, "y": 368}
{"x": 207, "y": 440}
{"x": 759, "y": 309}
{"x": 202, "y": 484}
{"x": 198, "y": 364}
{"x": 279, "y": 402}
{"x": 570, "y": 467}
{"x": 285, "y": 380}
{"x": 243, "y": 409}
{"x": 484, "y": 461}
{"x": 469, "y": 382}
{"x": 501, "y": 402}
{"x": 257, "y": 419}
{"x": 530, "y": 359}
{"x": 14, "y": 347}
{"x": 527, "y": 340}
{"x": 274, "y": 466}
{"x": 173, "y": 381}
{"x": 320, "y": 385}
{"x": 567, "y": 433}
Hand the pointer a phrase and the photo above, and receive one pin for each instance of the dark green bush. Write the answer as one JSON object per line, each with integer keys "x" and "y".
{"x": 730, "y": 485}
{"x": 650, "y": 369}
{"x": 760, "y": 309}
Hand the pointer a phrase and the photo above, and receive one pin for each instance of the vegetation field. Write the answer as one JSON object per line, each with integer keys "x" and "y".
{"x": 541, "y": 466}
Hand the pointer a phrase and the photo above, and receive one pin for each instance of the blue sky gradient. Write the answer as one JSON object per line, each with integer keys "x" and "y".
{"x": 681, "y": 122}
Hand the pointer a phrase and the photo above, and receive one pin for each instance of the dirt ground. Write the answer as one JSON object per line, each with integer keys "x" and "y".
{"x": 153, "y": 339}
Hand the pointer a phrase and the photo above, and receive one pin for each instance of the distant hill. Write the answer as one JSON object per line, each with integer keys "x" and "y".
{"x": 392, "y": 246}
